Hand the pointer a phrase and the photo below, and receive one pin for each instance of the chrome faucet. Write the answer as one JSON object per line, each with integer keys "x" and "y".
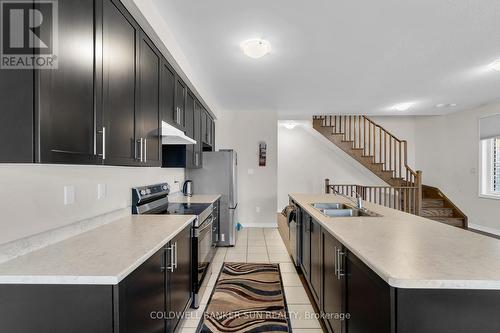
{"x": 358, "y": 201}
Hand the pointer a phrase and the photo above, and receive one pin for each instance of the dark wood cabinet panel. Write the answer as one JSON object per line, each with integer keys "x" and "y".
{"x": 141, "y": 293}
{"x": 56, "y": 308}
{"x": 16, "y": 116}
{"x": 189, "y": 118}
{"x": 180, "y": 104}
{"x": 179, "y": 280}
{"x": 167, "y": 93}
{"x": 148, "y": 115}
{"x": 368, "y": 299}
{"x": 204, "y": 127}
{"x": 333, "y": 285}
{"x": 315, "y": 273}
{"x": 66, "y": 95}
{"x": 198, "y": 147}
{"x": 120, "y": 38}
{"x": 306, "y": 245}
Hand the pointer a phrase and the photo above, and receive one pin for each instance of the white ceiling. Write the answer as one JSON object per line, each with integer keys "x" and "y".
{"x": 341, "y": 56}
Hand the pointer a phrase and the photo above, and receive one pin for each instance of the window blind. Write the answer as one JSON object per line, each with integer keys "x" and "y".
{"x": 489, "y": 127}
{"x": 496, "y": 165}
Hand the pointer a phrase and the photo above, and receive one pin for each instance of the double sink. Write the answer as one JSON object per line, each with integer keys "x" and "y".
{"x": 342, "y": 210}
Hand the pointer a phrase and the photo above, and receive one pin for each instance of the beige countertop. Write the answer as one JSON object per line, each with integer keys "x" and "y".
{"x": 409, "y": 251}
{"x": 195, "y": 198}
{"x": 105, "y": 255}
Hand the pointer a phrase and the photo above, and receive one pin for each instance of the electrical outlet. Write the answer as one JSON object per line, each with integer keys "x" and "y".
{"x": 257, "y": 209}
{"x": 69, "y": 194}
{"x": 222, "y": 237}
{"x": 101, "y": 191}
{"x": 251, "y": 171}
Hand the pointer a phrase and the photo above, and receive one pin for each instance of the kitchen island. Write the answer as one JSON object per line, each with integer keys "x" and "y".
{"x": 398, "y": 272}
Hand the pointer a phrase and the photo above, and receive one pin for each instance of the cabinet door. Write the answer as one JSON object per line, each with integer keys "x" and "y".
{"x": 140, "y": 294}
{"x": 198, "y": 147}
{"x": 189, "y": 117}
{"x": 306, "y": 245}
{"x": 16, "y": 116}
{"x": 315, "y": 273}
{"x": 180, "y": 104}
{"x": 332, "y": 284}
{"x": 147, "y": 117}
{"x": 212, "y": 137}
{"x": 120, "y": 37}
{"x": 167, "y": 93}
{"x": 204, "y": 128}
{"x": 66, "y": 95}
{"x": 179, "y": 280}
{"x": 368, "y": 299}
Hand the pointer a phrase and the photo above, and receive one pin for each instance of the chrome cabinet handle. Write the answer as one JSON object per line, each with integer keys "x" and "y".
{"x": 196, "y": 159}
{"x": 140, "y": 149}
{"x": 145, "y": 149}
{"x": 175, "y": 249}
{"x": 103, "y": 132}
{"x": 171, "y": 266}
{"x": 340, "y": 268}
{"x": 335, "y": 262}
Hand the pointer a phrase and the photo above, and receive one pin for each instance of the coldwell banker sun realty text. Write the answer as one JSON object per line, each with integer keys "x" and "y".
{"x": 29, "y": 34}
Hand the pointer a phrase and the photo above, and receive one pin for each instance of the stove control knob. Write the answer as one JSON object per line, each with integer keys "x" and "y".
{"x": 148, "y": 191}
{"x": 143, "y": 192}
{"x": 164, "y": 187}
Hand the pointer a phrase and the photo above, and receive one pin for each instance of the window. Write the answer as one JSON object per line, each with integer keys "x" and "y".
{"x": 490, "y": 171}
{"x": 489, "y": 131}
{"x": 496, "y": 166}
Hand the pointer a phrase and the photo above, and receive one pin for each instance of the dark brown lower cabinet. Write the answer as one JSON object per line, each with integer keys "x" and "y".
{"x": 179, "y": 277}
{"x": 315, "y": 274}
{"x": 305, "y": 262}
{"x": 332, "y": 299}
{"x": 151, "y": 299}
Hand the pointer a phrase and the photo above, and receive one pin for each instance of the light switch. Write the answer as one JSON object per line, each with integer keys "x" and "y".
{"x": 101, "y": 191}
{"x": 69, "y": 194}
{"x": 251, "y": 171}
{"x": 257, "y": 209}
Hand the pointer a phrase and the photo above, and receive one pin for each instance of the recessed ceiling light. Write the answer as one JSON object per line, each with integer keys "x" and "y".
{"x": 446, "y": 105}
{"x": 256, "y": 48}
{"x": 495, "y": 65}
{"x": 402, "y": 106}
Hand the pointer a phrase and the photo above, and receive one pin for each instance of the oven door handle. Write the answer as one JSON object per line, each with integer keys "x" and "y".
{"x": 198, "y": 232}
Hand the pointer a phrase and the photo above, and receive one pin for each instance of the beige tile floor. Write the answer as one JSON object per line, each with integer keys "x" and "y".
{"x": 258, "y": 245}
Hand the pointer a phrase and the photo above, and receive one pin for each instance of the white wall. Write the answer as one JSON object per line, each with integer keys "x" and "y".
{"x": 447, "y": 152}
{"x": 306, "y": 158}
{"x": 31, "y": 196}
{"x": 242, "y": 131}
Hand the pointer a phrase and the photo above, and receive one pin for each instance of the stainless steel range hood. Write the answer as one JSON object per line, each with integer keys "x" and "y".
{"x": 174, "y": 136}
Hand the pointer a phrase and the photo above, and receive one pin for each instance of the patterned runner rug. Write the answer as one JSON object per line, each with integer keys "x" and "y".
{"x": 247, "y": 298}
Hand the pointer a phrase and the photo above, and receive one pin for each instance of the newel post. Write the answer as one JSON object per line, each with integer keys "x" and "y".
{"x": 327, "y": 186}
{"x": 418, "y": 184}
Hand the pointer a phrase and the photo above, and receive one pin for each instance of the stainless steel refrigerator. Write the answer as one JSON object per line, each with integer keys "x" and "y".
{"x": 218, "y": 176}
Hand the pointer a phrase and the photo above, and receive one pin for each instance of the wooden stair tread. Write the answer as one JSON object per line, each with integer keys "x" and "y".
{"x": 453, "y": 221}
{"x": 432, "y": 203}
{"x": 437, "y": 212}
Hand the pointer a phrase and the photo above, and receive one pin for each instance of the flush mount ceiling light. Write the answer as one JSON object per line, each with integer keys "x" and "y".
{"x": 495, "y": 65}
{"x": 446, "y": 105}
{"x": 256, "y": 48}
{"x": 402, "y": 106}
{"x": 290, "y": 125}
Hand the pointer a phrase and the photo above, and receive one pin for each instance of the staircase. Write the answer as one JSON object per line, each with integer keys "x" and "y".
{"x": 387, "y": 157}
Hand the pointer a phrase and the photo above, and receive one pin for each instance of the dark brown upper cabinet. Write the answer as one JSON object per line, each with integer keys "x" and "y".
{"x": 67, "y": 94}
{"x": 148, "y": 115}
{"x": 189, "y": 118}
{"x": 180, "y": 104}
{"x": 120, "y": 37}
{"x": 198, "y": 147}
{"x": 167, "y": 93}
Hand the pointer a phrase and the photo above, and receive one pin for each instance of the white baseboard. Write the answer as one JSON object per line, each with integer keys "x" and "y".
{"x": 489, "y": 230}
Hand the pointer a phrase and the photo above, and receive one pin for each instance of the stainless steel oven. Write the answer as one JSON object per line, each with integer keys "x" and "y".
{"x": 204, "y": 251}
